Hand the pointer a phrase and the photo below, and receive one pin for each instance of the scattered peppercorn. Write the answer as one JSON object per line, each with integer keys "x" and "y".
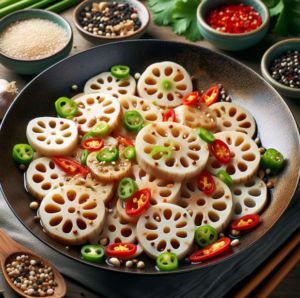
{"x": 286, "y": 70}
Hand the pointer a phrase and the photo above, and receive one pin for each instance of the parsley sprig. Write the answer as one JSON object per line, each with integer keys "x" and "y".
{"x": 181, "y": 15}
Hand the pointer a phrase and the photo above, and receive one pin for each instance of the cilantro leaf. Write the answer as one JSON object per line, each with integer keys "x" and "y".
{"x": 162, "y": 11}
{"x": 289, "y": 19}
{"x": 271, "y": 3}
{"x": 185, "y": 19}
{"x": 276, "y": 10}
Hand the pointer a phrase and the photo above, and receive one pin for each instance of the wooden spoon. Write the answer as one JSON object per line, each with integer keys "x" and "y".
{"x": 9, "y": 250}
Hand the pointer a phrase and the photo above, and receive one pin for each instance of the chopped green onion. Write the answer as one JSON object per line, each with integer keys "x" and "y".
{"x": 40, "y": 4}
{"x": 62, "y": 5}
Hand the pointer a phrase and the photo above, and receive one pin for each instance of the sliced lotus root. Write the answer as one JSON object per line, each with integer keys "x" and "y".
{"x": 43, "y": 175}
{"x": 162, "y": 191}
{"x": 183, "y": 154}
{"x": 77, "y": 96}
{"x": 165, "y": 83}
{"x": 200, "y": 116}
{"x": 122, "y": 213}
{"x": 52, "y": 136}
{"x": 110, "y": 141}
{"x": 148, "y": 110}
{"x": 106, "y": 83}
{"x": 108, "y": 171}
{"x": 233, "y": 117}
{"x": 215, "y": 210}
{"x": 104, "y": 190}
{"x": 165, "y": 227}
{"x": 245, "y": 157}
{"x": 72, "y": 214}
{"x": 249, "y": 197}
{"x": 115, "y": 230}
{"x": 93, "y": 108}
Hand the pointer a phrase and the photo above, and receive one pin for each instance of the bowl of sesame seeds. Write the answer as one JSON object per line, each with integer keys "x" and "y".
{"x": 280, "y": 66}
{"x": 32, "y": 40}
{"x": 111, "y": 21}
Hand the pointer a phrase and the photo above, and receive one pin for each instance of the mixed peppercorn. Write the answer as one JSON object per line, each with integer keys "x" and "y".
{"x": 285, "y": 69}
{"x": 32, "y": 277}
{"x": 110, "y": 19}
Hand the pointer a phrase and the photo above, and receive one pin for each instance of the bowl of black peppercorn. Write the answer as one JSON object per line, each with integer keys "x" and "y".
{"x": 111, "y": 21}
{"x": 280, "y": 66}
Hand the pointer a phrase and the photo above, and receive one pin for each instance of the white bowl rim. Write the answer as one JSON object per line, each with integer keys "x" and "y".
{"x": 229, "y": 35}
{"x": 264, "y": 67}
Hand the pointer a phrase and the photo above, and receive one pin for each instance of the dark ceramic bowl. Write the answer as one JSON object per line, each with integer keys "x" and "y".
{"x": 276, "y": 125}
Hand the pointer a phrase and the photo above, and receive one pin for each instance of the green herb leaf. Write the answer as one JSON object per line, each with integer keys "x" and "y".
{"x": 276, "y": 10}
{"x": 162, "y": 11}
{"x": 271, "y": 3}
{"x": 185, "y": 19}
{"x": 289, "y": 19}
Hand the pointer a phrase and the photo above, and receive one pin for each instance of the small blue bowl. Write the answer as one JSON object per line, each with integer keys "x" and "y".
{"x": 232, "y": 42}
{"x": 33, "y": 67}
{"x": 271, "y": 54}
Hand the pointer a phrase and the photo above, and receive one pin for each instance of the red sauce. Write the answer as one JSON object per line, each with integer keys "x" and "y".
{"x": 233, "y": 19}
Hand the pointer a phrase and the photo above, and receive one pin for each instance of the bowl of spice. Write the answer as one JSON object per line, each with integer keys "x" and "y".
{"x": 32, "y": 40}
{"x": 233, "y": 25}
{"x": 111, "y": 21}
{"x": 280, "y": 66}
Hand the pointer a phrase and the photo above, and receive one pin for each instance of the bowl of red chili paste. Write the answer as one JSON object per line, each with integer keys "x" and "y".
{"x": 233, "y": 25}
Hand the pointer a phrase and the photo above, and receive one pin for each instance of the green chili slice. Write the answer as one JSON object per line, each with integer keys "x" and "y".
{"x": 205, "y": 135}
{"x": 159, "y": 152}
{"x": 100, "y": 128}
{"x": 273, "y": 160}
{"x": 120, "y": 71}
{"x": 127, "y": 188}
{"x": 108, "y": 155}
{"x": 84, "y": 156}
{"x": 23, "y": 153}
{"x": 206, "y": 235}
{"x": 167, "y": 261}
{"x": 92, "y": 253}
{"x": 130, "y": 153}
{"x": 225, "y": 177}
{"x": 66, "y": 108}
{"x": 88, "y": 135}
{"x": 143, "y": 125}
{"x": 132, "y": 121}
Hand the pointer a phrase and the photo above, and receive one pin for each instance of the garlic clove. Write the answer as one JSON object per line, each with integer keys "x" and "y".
{"x": 8, "y": 93}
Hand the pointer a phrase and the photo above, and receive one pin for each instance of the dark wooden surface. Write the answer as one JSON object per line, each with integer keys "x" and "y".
{"x": 290, "y": 286}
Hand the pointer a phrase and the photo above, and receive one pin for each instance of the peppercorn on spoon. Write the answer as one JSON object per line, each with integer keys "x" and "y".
{"x": 9, "y": 250}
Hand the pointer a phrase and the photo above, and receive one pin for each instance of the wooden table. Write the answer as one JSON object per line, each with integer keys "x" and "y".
{"x": 290, "y": 286}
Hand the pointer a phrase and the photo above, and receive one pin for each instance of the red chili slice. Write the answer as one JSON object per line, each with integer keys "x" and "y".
{"x": 124, "y": 141}
{"x": 138, "y": 202}
{"x": 206, "y": 183}
{"x": 190, "y": 98}
{"x": 211, "y": 250}
{"x": 69, "y": 166}
{"x": 246, "y": 222}
{"x": 169, "y": 116}
{"x": 210, "y": 96}
{"x": 94, "y": 144}
{"x": 120, "y": 250}
{"x": 221, "y": 151}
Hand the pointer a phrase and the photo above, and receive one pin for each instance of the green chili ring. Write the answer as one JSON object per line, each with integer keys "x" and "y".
{"x": 225, "y": 177}
{"x": 108, "y": 155}
{"x": 206, "y": 235}
{"x": 167, "y": 261}
{"x": 130, "y": 153}
{"x": 127, "y": 188}
{"x": 23, "y": 153}
{"x": 88, "y": 135}
{"x": 84, "y": 156}
{"x": 205, "y": 135}
{"x": 92, "y": 253}
{"x": 66, "y": 108}
{"x": 100, "y": 128}
{"x": 133, "y": 120}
